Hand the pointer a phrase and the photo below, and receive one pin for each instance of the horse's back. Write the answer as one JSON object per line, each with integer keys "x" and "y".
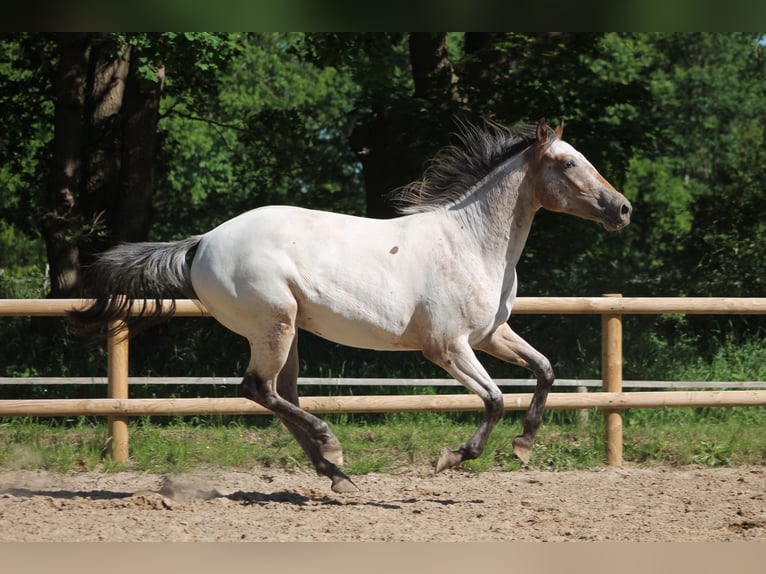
{"x": 347, "y": 278}
{"x": 283, "y": 237}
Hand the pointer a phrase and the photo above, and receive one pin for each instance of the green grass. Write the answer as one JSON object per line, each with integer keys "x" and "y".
{"x": 675, "y": 437}
{"x": 389, "y": 443}
{"x": 708, "y": 436}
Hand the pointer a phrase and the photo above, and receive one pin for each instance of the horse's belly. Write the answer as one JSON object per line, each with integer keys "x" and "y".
{"x": 361, "y": 327}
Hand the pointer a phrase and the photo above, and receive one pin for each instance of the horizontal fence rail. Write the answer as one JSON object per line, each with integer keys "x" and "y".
{"x": 378, "y": 404}
{"x": 611, "y": 400}
{"x": 522, "y": 306}
{"x": 371, "y": 382}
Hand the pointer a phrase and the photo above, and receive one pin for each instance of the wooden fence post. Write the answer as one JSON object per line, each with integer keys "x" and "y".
{"x": 611, "y": 373}
{"x": 117, "y": 387}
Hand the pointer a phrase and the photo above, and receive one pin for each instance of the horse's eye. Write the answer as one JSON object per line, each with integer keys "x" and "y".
{"x": 569, "y": 164}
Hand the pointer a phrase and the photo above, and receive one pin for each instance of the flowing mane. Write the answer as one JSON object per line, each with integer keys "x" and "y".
{"x": 453, "y": 171}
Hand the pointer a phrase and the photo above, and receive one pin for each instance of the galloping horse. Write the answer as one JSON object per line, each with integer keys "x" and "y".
{"x": 440, "y": 279}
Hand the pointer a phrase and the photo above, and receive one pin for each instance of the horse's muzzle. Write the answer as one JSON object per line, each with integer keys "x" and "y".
{"x": 618, "y": 218}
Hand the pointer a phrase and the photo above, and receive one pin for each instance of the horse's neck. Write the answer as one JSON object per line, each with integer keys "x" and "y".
{"x": 499, "y": 219}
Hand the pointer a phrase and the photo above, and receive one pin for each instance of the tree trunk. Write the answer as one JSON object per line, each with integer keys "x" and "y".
{"x": 394, "y": 144}
{"x": 139, "y": 148}
{"x": 432, "y": 71}
{"x": 101, "y": 180}
{"x": 102, "y": 147}
{"x": 62, "y": 223}
{"x": 386, "y": 161}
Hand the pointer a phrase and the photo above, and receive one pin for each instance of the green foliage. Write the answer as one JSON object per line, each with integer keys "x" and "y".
{"x": 736, "y": 359}
{"x": 667, "y": 202}
{"x": 675, "y": 120}
{"x": 275, "y": 132}
{"x": 22, "y": 271}
{"x": 25, "y": 128}
{"x": 706, "y": 151}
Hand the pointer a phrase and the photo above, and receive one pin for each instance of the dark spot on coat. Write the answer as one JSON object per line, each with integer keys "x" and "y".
{"x": 394, "y": 250}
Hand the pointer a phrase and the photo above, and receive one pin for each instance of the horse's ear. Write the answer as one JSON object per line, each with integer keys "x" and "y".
{"x": 559, "y": 129}
{"x": 542, "y": 131}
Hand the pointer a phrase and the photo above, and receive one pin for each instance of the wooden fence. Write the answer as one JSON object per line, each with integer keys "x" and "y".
{"x": 118, "y": 407}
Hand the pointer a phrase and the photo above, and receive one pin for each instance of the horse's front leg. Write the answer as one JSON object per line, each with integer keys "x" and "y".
{"x": 505, "y": 344}
{"x": 459, "y": 360}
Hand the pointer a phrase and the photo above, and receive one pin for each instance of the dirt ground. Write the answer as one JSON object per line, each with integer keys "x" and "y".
{"x": 628, "y": 504}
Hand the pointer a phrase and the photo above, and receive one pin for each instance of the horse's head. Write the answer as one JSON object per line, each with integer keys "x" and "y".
{"x": 567, "y": 182}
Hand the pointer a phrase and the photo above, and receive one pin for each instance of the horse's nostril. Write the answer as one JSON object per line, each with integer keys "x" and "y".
{"x": 626, "y": 209}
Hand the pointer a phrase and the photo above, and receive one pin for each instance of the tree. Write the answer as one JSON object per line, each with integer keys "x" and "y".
{"x": 698, "y": 177}
{"x": 275, "y": 131}
{"x": 109, "y": 137}
{"x": 24, "y": 136}
{"x": 106, "y": 90}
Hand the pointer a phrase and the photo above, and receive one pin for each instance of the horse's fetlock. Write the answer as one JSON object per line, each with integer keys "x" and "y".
{"x": 470, "y": 451}
{"x": 530, "y": 424}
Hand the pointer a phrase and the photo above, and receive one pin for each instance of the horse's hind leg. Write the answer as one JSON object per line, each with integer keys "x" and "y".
{"x": 269, "y": 354}
{"x": 505, "y": 344}
{"x": 287, "y": 387}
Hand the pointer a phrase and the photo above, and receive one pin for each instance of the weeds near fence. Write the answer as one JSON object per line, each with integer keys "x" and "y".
{"x": 674, "y": 437}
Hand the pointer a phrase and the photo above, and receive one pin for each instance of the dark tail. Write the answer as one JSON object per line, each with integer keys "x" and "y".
{"x": 153, "y": 273}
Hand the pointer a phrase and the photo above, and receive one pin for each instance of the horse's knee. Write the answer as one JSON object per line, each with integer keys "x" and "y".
{"x": 544, "y": 373}
{"x": 494, "y": 405}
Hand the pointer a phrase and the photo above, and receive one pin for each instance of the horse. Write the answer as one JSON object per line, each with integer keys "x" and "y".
{"x": 440, "y": 278}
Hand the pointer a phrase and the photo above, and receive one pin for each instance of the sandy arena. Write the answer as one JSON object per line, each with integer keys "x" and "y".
{"x": 727, "y": 504}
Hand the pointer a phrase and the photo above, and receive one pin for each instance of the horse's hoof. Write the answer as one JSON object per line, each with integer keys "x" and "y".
{"x": 522, "y": 450}
{"x": 447, "y": 459}
{"x": 343, "y": 485}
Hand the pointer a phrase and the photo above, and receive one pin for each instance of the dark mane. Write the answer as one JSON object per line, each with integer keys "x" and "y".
{"x": 457, "y": 168}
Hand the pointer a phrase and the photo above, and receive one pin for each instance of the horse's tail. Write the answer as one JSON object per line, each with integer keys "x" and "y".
{"x": 154, "y": 273}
